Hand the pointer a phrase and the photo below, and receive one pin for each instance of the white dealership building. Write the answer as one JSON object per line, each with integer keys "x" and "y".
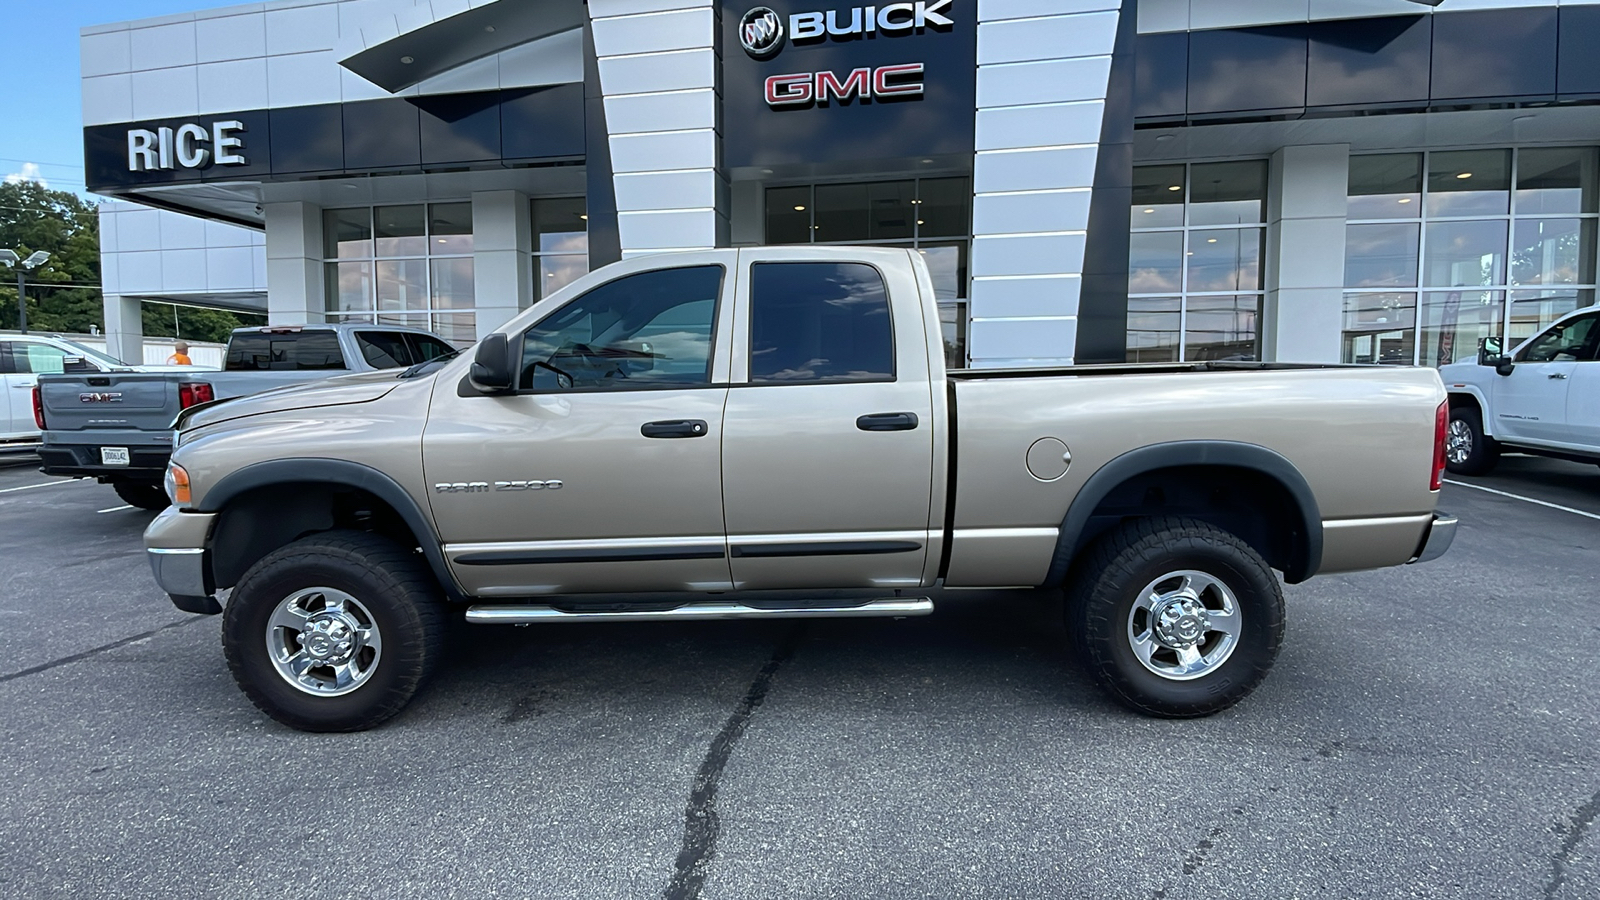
{"x": 1089, "y": 180}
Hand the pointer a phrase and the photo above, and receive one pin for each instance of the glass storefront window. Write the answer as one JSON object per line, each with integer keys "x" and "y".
{"x": 872, "y": 211}
{"x": 1158, "y": 196}
{"x": 930, "y": 215}
{"x": 399, "y": 231}
{"x": 1464, "y": 253}
{"x": 1155, "y": 262}
{"x": 1195, "y": 289}
{"x": 561, "y": 243}
{"x": 1454, "y": 321}
{"x": 1222, "y": 327}
{"x": 1533, "y": 311}
{"x": 347, "y": 233}
{"x": 1385, "y": 186}
{"x": 1380, "y": 328}
{"x": 450, "y": 226}
{"x": 1155, "y": 328}
{"x": 1469, "y": 183}
{"x": 1552, "y": 251}
{"x": 417, "y": 260}
{"x": 943, "y": 207}
{"x": 1380, "y": 255}
{"x": 1228, "y": 193}
{"x": 1556, "y": 181}
{"x": 1470, "y": 238}
{"x": 1225, "y": 259}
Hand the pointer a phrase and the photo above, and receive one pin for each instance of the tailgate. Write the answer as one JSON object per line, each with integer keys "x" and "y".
{"x": 136, "y": 400}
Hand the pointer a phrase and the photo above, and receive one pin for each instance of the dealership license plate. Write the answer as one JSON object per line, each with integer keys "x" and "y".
{"x": 113, "y": 456}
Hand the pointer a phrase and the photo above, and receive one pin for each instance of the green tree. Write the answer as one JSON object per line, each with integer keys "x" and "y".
{"x": 64, "y": 294}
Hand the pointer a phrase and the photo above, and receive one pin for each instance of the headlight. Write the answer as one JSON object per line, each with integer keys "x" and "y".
{"x": 177, "y": 484}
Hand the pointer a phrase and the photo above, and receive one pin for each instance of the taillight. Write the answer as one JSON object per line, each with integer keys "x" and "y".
{"x": 194, "y": 392}
{"x": 38, "y": 408}
{"x": 1441, "y": 431}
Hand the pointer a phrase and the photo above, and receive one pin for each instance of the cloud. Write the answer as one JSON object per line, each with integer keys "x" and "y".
{"x": 30, "y": 172}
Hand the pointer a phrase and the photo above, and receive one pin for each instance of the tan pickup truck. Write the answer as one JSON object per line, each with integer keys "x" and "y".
{"x": 714, "y": 434}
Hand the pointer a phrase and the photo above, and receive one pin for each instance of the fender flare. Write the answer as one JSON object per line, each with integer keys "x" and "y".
{"x": 1306, "y": 556}
{"x": 344, "y": 474}
{"x": 1476, "y": 393}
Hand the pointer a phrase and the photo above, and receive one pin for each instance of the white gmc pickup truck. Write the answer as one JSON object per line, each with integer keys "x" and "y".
{"x": 712, "y": 434}
{"x": 1541, "y": 398}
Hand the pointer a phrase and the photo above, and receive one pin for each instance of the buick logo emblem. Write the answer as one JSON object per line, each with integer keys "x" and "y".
{"x": 761, "y": 33}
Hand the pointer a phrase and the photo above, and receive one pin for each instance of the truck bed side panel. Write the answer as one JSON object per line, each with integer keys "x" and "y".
{"x": 1361, "y": 437}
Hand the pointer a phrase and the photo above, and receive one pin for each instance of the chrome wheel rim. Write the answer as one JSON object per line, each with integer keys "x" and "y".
{"x": 1184, "y": 625}
{"x": 1458, "y": 442}
{"x": 323, "y": 641}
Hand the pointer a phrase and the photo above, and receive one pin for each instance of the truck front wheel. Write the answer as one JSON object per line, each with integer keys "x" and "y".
{"x": 1467, "y": 450}
{"x": 334, "y": 632}
{"x": 1175, "y": 617}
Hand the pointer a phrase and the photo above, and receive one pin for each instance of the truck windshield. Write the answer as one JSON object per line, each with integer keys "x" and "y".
{"x": 96, "y": 355}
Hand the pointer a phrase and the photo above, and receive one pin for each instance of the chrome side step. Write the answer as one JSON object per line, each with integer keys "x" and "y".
{"x": 708, "y": 609}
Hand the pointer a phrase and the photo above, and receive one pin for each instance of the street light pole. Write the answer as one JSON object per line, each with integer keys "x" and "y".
{"x": 22, "y": 299}
{"x": 34, "y": 260}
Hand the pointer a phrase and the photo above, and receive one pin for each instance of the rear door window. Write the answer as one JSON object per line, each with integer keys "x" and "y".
{"x": 819, "y": 322}
{"x": 385, "y": 349}
{"x": 40, "y": 359}
{"x": 291, "y": 351}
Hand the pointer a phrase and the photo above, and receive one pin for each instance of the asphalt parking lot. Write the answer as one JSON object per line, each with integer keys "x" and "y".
{"x": 1428, "y": 732}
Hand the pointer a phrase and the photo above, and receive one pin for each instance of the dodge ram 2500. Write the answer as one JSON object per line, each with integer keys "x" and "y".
{"x": 701, "y": 435}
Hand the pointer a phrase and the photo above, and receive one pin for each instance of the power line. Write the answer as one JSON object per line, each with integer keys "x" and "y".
{"x": 39, "y": 163}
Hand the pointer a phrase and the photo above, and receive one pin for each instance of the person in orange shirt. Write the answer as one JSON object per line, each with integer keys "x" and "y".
{"x": 180, "y": 355}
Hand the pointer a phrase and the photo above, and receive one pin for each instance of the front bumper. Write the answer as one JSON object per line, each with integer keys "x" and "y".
{"x": 175, "y": 543}
{"x": 1441, "y": 532}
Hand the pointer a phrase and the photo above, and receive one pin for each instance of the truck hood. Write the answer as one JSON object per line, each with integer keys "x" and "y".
{"x": 337, "y": 391}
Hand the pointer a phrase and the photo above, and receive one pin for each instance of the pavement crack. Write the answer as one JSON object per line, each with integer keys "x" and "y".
{"x": 65, "y": 660}
{"x": 1582, "y": 818}
{"x": 701, "y": 826}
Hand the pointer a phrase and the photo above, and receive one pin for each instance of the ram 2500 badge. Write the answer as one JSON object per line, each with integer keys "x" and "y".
{"x": 706, "y": 433}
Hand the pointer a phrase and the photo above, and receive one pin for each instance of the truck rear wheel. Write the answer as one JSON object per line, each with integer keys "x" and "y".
{"x": 142, "y": 495}
{"x": 334, "y": 632}
{"x": 1175, "y": 617}
{"x": 1467, "y": 450}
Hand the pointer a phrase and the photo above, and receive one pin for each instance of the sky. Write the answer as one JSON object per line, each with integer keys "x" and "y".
{"x": 41, "y": 119}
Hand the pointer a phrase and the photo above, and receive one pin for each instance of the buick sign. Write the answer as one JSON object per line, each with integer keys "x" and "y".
{"x": 761, "y": 33}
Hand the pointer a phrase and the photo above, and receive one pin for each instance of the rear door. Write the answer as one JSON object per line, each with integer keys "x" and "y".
{"x": 1531, "y": 403}
{"x": 603, "y": 471}
{"x": 828, "y": 436}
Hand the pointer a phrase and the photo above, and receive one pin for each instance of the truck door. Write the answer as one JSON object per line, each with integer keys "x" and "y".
{"x": 1531, "y": 402}
{"x": 828, "y": 441}
{"x": 11, "y": 422}
{"x": 1583, "y": 399}
{"x": 603, "y": 471}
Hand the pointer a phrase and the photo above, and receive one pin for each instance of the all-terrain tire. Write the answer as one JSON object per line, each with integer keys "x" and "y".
{"x": 1468, "y": 451}
{"x": 1150, "y": 559}
{"x": 364, "y": 580}
{"x": 141, "y": 494}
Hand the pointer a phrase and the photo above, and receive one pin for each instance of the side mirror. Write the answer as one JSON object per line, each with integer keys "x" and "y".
{"x": 1488, "y": 351}
{"x": 491, "y": 366}
{"x": 1490, "y": 354}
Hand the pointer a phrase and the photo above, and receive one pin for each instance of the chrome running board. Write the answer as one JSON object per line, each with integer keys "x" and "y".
{"x": 523, "y": 615}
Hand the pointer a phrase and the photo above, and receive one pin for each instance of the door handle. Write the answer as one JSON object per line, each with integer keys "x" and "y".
{"x": 896, "y": 421}
{"x": 675, "y": 428}
{"x": 1560, "y": 376}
